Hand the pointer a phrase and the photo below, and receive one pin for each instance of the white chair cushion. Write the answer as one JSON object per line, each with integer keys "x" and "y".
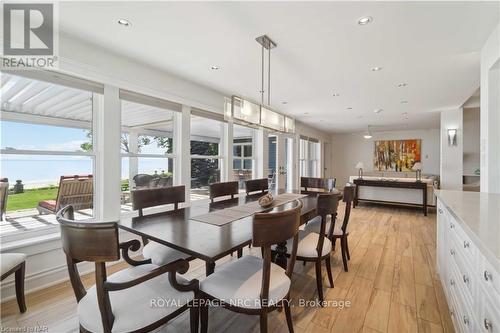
{"x": 134, "y": 307}
{"x": 307, "y": 245}
{"x": 239, "y": 283}
{"x": 160, "y": 254}
{"x": 337, "y": 231}
{"x": 10, "y": 260}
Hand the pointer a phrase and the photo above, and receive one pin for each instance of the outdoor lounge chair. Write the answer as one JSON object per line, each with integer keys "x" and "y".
{"x": 74, "y": 190}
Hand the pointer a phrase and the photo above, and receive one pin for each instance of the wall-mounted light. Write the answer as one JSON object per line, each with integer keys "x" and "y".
{"x": 452, "y": 137}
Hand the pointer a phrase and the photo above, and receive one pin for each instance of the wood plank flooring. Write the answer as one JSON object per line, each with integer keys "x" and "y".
{"x": 392, "y": 286}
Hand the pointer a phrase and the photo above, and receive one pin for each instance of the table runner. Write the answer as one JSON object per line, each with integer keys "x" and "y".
{"x": 227, "y": 215}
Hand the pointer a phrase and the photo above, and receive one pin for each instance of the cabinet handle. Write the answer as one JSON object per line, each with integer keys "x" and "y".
{"x": 487, "y": 324}
{"x": 466, "y": 320}
{"x": 488, "y": 276}
{"x": 466, "y": 244}
{"x": 452, "y": 252}
{"x": 466, "y": 279}
{"x": 452, "y": 226}
{"x": 452, "y": 282}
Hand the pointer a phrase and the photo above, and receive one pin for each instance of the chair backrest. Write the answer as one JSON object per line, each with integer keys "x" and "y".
{"x": 142, "y": 180}
{"x": 348, "y": 198}
{"x": 272, "y": 228}
{"x": 318, "y": 184}
{"x": 94, "y": 242}
{"x": 223, "y": 189}
{"x": 254, "y": 185}
{"x": 327, "y": 205}
{"x": 156, "y": 196}
{"x": 4, "y": 193}
{"x": 77, "y": 191}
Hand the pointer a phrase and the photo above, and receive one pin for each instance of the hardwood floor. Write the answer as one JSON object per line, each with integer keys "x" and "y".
{"x": 392, "y": 286}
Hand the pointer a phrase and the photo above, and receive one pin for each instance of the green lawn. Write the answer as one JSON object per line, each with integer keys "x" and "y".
{"x": 30, "y": 198}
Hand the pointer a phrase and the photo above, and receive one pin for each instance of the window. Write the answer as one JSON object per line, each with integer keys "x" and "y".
{"x": 46, "y": 147}
{"x": 309, "y": 157}
{"x": 272, "y": 161}
{"x": 147, "y": 144}
{"x": 206, "y": 154}
{"x": 242, "y": 154}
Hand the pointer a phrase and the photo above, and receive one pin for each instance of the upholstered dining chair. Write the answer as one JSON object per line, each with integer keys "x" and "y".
{"x": 223, "y": 189}
{"x": 14, "y": 263}
{"x": 123, "y": 301}
{"x": 253, "y": 285}
{"x": 312, "y": 246}
{"x": 255, "y": 186}
{"x": 152, "y": 197}
{"x": 342, "y": 232}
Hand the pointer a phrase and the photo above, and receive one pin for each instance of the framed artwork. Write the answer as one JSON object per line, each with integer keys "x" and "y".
{"x": 396, "y": 155}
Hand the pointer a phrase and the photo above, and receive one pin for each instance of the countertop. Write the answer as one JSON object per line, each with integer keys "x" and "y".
{"x": 478, "y": 214}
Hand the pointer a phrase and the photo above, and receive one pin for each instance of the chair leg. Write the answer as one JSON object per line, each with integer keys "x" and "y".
{"x": 344, "y": 254}
{"x": 319, "y": 280}
{"x": 194, "y": 318}
{"x": 329, "y": 271}
{"x": 204, "y": 318}
{"x": 240, "y": 253}
{"x": 288, "y": 315}
{"x": 334, "y": 240}
{"x": 303, "y": 263}
{"x": 19, "y": 281}
{"x": 263, "y": 322}
{"x": 347, "y": 248}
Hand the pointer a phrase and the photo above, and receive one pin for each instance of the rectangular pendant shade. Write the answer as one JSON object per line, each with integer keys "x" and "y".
{"x": 241, "y": 109}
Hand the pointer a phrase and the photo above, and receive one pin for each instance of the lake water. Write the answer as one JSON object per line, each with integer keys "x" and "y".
{"x": 42, "y": 172}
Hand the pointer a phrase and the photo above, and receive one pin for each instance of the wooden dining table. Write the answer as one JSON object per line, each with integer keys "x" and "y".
{"x": 177, "y": 229}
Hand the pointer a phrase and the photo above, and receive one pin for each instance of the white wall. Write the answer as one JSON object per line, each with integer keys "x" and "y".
{"x": 349, "y": 149}
{"x": 471, "y": 140}
{"x": 490, "y": 113}
{"x": 452, "y": 156}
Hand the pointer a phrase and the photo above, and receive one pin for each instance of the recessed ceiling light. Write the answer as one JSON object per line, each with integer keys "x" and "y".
{"x": 349, "y": 108}
{"x": 365, "y": 20}
{"x": 124, "y": 22}
{"x": 401, "y": 85}
{"x": 214, "y": 67}
{"x": 378, "y": 110}
{"x": 336, "y": 95}
{"x": 404, "y": 102}
{"x": 306, "y": 113}
{"x": 284, "y": 102}
{"x": 376, "y": 69}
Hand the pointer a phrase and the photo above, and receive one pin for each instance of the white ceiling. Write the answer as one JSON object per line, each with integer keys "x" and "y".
{"x": 432, "y": 46}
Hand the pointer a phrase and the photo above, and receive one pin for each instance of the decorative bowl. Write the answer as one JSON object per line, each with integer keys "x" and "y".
{"x": 266, "y": 200}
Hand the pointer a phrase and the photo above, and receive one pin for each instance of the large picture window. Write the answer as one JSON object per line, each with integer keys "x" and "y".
{"x": 243, "y": 159}
{"x": 146, "y": 144}
{"x": 46, "y": 150}
{"x": 309, "y": 157}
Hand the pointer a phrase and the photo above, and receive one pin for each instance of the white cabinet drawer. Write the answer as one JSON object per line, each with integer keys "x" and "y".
{"x": 489, "y": 320}
{"x": 489, "y": 280}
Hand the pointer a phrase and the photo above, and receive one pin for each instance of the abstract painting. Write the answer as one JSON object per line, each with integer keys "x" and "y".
{"x": 396, "y": 155}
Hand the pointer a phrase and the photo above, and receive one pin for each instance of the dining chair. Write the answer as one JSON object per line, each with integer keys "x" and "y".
{"x": 253, "y": 285}
{"x": 342, "y": 232}
{"x": 257, "y": 185}
{"x": 223, "y": 189}
{"x": 152, "y": 197}
{"x": 315, "y": 185}
{"x": 312, "y": 246}
{"x": 15, "y": 263}
{"x": 134, "y": 299}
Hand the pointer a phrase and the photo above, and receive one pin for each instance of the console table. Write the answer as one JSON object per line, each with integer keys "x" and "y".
{"x": 392, "y": 184}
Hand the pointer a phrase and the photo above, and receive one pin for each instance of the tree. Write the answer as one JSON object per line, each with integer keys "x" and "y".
{"x": 143, "y": 140}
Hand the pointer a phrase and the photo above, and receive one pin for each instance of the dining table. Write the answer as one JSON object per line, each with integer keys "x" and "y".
{"x": 179, "y": 230}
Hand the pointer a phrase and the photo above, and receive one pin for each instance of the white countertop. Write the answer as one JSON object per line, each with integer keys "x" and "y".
{"x": 479, "y": 215}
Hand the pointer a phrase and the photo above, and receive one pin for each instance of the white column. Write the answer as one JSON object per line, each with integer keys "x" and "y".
{"x": 451, "y": 156}
{"x": 262, "y": 153}
{"x": 108, "y": 157}
{"x": 490, "y": 113}
{"x": 182, "y": 149}
{"x": 227, "y": 151}
{"x": 133, "y": 163}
